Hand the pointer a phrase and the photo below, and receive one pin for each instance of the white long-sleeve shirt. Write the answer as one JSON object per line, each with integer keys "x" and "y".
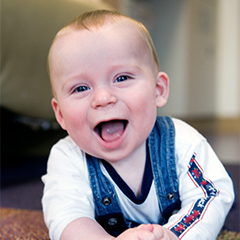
{"x": 68, "y": 195}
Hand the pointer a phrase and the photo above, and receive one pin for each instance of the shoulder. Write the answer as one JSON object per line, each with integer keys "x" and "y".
{"x": 66, "y": 155}
{"x": 188, "y": 141}
{"x": 66, "y": 146}
{"x": 66, "y": 143}
{"x": 185, "y": 133}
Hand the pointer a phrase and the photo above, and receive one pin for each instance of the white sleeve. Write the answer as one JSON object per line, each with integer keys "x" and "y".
{"x": 67, "y": 192}
{"x": 205, "y": 188}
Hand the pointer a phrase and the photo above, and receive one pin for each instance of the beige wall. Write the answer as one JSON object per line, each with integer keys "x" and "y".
{"x": 228, "y": 59}
{"x": 198, "y": 45}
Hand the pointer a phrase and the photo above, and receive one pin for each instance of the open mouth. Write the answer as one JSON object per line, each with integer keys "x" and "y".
{"x": 111, "y": 130}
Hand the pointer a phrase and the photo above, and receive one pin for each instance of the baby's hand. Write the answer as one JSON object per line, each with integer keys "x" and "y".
{"x": 163, "y": 233}
{"x": 147, "y": 232}
{"x": 142, "y": 232}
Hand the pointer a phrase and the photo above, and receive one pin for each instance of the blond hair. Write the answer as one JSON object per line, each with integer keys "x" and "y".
{"x": 97, "y": 19}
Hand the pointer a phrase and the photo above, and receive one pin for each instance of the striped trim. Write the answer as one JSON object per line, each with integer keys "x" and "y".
{"x": 199, "y": 207}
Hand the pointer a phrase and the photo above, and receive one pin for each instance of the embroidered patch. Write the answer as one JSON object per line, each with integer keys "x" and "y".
{"x": 198, "y": 208}
{"x": 196, "y": 174}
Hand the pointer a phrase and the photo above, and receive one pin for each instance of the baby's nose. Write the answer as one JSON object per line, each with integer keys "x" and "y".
{"x": 103, "y": 98}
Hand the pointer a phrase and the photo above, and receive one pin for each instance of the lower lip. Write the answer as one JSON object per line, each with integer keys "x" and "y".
{"x": 113, "y": 144}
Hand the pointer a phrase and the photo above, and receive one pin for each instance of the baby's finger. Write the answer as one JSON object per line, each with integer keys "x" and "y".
{"x": 146, "y": 235}
{"x": 148, "y": 227}
{"x": 158, "y": 231}
{"x": 136, "y": 234}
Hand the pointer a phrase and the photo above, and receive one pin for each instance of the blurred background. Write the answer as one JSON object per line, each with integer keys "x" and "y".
{"x": 198, "y": 43}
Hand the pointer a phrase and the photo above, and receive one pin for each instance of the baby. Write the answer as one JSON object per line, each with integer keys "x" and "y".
{"x": 124, "y": 173}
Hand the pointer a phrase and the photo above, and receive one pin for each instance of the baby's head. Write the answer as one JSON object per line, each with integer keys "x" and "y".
{"x": 95, "y": 20}
{"x": 106, "y": 82}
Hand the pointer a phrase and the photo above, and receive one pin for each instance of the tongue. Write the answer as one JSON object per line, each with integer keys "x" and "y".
{"x": 110, "y": 131}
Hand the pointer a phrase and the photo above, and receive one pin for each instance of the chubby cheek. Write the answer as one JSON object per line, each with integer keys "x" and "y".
{"x": 144, "y": 99}
{"x": 144, "y": 109}
{"x": 74, "y": 120}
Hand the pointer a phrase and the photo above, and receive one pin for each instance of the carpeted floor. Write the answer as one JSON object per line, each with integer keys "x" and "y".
{"x": 22, "y": 224}
{"x": 226, "y": 235}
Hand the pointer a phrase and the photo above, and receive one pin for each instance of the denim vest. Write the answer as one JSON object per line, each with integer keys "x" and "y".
{"x": 161, "y": 143}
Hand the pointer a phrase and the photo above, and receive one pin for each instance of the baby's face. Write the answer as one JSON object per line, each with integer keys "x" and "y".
{"x": 106, "y": 89}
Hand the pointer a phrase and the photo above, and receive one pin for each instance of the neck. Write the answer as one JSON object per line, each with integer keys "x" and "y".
{"x": 132, "y": 168}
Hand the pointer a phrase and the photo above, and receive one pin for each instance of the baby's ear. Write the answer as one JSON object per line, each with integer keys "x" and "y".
{"x": 162, "y": 89}
{"x": 58, "y": 113}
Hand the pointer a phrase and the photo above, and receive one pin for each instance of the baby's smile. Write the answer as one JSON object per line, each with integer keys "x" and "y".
{"x": 111, "y": 130}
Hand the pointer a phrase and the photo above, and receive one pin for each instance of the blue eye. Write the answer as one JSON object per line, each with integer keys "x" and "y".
{"x": 122, "y": 78}
{"x": 81, "y": 89}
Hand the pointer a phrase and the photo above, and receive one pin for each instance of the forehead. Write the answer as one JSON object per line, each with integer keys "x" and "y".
{"x": 123, "y": 35}
{"x": 80, "y": 51}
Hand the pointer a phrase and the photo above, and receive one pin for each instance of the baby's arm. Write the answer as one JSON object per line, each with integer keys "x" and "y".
{"x": 86, "y": 228}
{"x": 206, "y": 191}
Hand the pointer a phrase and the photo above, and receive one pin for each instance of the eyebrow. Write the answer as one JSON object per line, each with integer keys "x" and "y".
{"x": 71, "y": 80}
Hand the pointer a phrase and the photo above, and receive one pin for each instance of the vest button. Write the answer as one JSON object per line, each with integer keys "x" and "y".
{"x": 112, "y": 221}
{"x": 170, "y": 196}
{"x": 106, "y": 201}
